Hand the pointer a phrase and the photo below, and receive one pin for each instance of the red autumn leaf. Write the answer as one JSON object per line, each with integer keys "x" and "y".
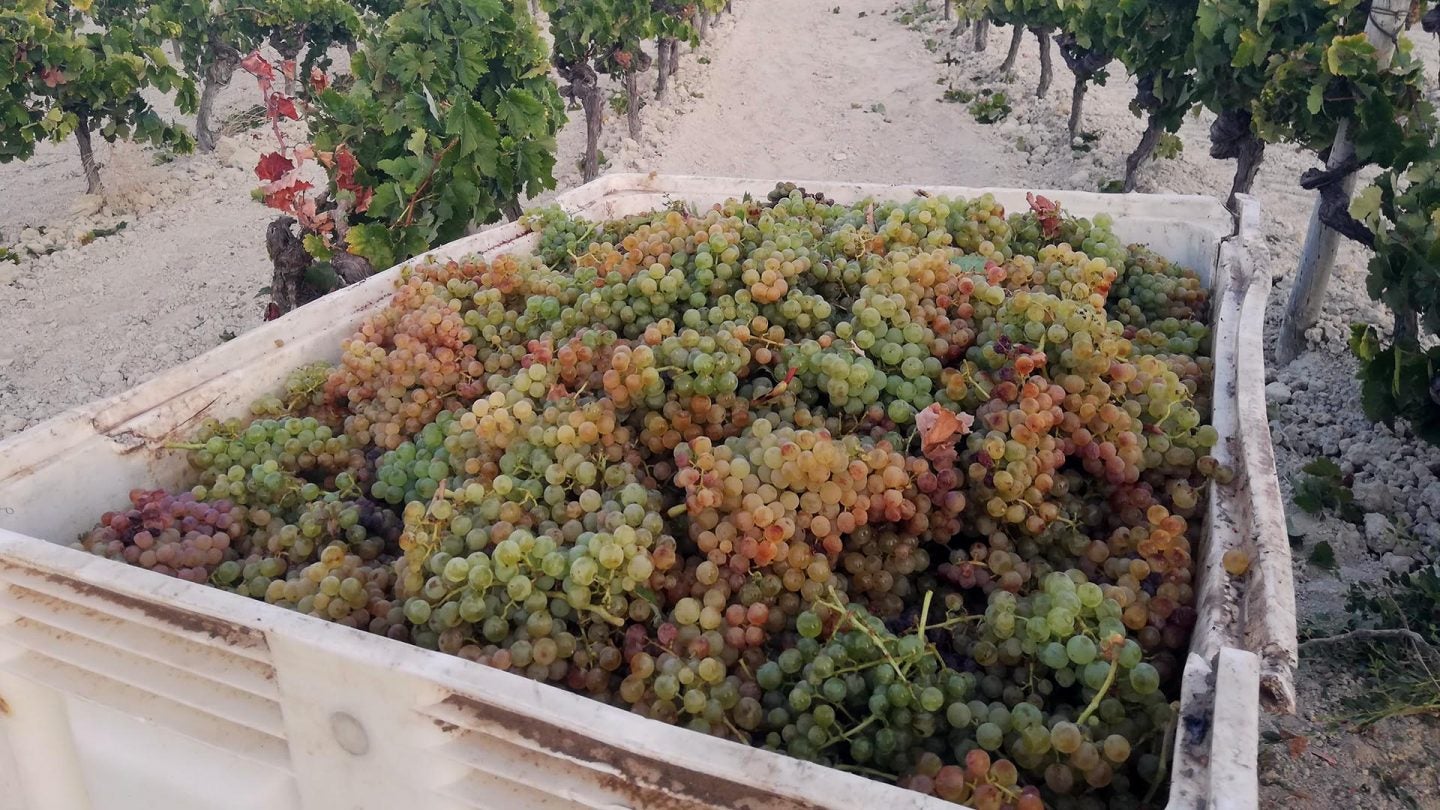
{"x": 272, "y": 311}
{"x": 318, "y": 79}
{"x": 322, "y": 223}
{"x": 305, "y": 212}
{"x": 282, "y": 107}
{"x": 283, "y": 195}
{"x": 939, "y": 425}
{"x": 345, "y": 167}
{"x": 53, "y": 77}
{"x": 287, "y": 69}
{"x": 1298, "y": 744}
{"x": 273, "y": 166}
{"x": 257, "y": 66}
{"x": 346, "y": 163}
{"x": 1047, "y": 212}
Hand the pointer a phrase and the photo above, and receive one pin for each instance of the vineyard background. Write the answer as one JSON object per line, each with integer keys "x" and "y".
{"x": 794, "y": 89}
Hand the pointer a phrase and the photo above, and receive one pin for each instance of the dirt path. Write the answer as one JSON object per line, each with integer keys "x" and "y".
{"x": 91, "y": 321}
{"x": 809, "y": 93}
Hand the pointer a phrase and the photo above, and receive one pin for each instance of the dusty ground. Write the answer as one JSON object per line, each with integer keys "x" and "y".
{"x": 800, "y": 90}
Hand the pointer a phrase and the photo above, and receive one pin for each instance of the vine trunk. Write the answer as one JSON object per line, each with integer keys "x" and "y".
{"x": 593, "y": 105}
{"x": 1077, "y": 104}
{"x": 632, "y": 103}
{"x": 662, "y": 67}
{"x": 217, "y": 77}
{"x": 1047, "y": 70}
{"x": 87, "y": 156}
{"x": 1016, "y": 37}
{"x": 1148, "y": 141}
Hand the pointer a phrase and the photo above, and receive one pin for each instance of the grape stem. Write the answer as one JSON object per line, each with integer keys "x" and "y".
{"x": 864, "y": 628}
{"x": 924, "y": 614}
{"x": 609, "y": 617}
{"x": 1100, "y": 693}
{"x": 863, "y": 771}
{"x": 856, "y": 730}
{"x": 733, "y": 730}
{"x": 184, "y": 446}
{"x": 1164, "y": 756}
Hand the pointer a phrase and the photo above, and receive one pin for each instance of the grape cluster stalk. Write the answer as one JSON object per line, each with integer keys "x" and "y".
{"x": 910, "y": 489}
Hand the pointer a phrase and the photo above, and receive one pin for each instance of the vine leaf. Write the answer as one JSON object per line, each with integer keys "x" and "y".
{"x": 345, "y": 168}
{"x": 258, "y": 66}
{"x": 1366, "y": 206}
{"x": 273, "y": 166}
{"x": 1350, "y": 55}
{"x": 938, "y": 425}
{"x": 372, "y": 242}
{"x": 1047, "y": 212}
{"x": 283, "y": 106}
{"x": 476, "y": 131}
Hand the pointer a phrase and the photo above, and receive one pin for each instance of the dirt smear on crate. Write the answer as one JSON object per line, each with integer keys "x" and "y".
{"x": 229, "y": 633}
{"x": 647, "y": 781}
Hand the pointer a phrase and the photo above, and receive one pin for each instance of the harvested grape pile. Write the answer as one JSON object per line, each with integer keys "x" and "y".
{"x": 908, "y": 489}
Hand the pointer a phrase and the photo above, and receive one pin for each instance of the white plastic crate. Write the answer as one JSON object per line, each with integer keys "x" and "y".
{"x": 123, "y": 689}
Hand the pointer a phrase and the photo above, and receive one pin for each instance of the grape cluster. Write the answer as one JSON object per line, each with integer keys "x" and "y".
{"x": 304, "y": 391}
{"x": 268, "y": 461}
{"x": 171, "y": 534}
{"x": 910, "y": 488}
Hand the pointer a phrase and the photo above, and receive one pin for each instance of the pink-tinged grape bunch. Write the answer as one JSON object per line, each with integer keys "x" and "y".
{"x": 909, "y": 488}
{"x": 173, "y": 534}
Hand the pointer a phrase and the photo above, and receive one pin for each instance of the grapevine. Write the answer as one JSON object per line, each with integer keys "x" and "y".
{"x": 214, "y": 37}
{"x": 594, "y": 37}
{"x": 1335, "y": 77}
{"x": 911, "y": 489}
{"x": 416, "y": 149}
{"x": 82, "y": 68}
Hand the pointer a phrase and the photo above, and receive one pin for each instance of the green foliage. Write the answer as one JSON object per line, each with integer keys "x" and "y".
{"x": 1301, "y": 67}
{"x": 1028, "y": 13}
{"x": 71, "y": 65}
{"x": 1409, "y": 600}
{"x": 1170, "y": 147}
{"x": 380, "y": 9}
{"x": 452, "y": 117}
{"x": 990, "y": 107}
{"x": 594, "y": 31}
{"x": 1402, "y": 674}
{"x": 1403, "y": 209}
{"x": 1321, "y": 487}
{"x": 1151, "y": 38}
{"x": 619, "y": 103}
{"x": 1323, "y": 556}
{"x": 211, "y": 30}
{"x": 31, "y": 43}
{"x": 1399, "y": 381}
